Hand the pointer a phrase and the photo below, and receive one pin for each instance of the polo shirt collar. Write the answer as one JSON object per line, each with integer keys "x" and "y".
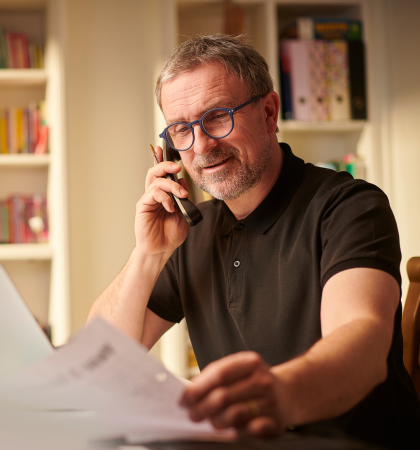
{"x": 273, "y": 206}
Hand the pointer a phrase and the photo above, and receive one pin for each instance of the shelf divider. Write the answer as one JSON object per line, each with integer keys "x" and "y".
{"x": 24, "y": 160}
{"x": 23, "y": 77}
{"x": 22, "y": 252}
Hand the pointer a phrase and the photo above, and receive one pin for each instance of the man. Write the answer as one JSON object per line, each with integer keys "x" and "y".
{"x": 290, "y": 285}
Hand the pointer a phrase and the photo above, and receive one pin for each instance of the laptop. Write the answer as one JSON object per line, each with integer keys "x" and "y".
{"x": 22, "y": 340}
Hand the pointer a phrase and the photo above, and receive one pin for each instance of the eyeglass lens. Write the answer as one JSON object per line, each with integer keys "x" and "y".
{"x": 217, "y": 123}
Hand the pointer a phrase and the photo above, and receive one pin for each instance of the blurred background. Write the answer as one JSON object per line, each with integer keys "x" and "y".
{"x": 93, "y": 90}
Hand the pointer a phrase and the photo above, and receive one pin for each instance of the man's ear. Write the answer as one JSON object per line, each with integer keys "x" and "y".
{"x": 271, "y": 103}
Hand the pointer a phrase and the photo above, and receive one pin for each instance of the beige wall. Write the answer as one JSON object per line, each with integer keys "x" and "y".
{"x": 403, "y": 33}
{"x": 111, "y": 46}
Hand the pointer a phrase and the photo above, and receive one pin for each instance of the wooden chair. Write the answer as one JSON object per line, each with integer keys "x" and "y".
{"x": 411, "y": 323}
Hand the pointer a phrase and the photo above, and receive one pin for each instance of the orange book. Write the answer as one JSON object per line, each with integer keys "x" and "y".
{"x": 3, "y": 133}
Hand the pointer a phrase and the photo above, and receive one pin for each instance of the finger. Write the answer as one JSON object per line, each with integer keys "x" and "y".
{"x": 260, "y": 385}
{"x": 158, "y": 193}
{"x": 183, "y": 183}
{"x": 159, "y": 153}
{"x": 219, "y": 373}
{"x": 160, "y": 170}
{"x": 239, "y": 414}
{"x": 168, "y": 186}
{"x": 153, "y": 199}
{"x": 262, "y": 426}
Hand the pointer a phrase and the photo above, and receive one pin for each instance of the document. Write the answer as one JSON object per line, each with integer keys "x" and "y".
{"x": 103, "y": 385}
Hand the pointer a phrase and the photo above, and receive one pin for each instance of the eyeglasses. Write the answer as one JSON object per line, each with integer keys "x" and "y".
{"x": 216, "y": 123}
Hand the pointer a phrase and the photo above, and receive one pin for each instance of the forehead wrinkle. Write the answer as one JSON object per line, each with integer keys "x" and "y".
{"x": 190, "y": 94}
{"x": 215, "y": 96}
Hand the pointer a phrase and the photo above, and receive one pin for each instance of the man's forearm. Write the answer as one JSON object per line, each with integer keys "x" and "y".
{"x": 335, "y": 374}
{"x": 124, "y": 301}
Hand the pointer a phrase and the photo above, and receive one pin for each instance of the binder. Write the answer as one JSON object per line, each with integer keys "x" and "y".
{"x": 317, "y": 81}
{"x": 357, "y": 71}
{"x": 306, "y": 60}
{"x": 337, "y": 80}
{"x": 323, "y": 28}
{"x": 297, "y": 56}
{"x": 285, "y": 86}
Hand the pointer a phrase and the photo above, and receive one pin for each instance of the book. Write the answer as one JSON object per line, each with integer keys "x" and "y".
{"x": 352, "y": 163}
{"x": 3, "y": 50}
{"x": 11, "y": 130}
{"x": 3, "y": 133}
{"x": 337, "y": 80}
{"x": 24, "y": 219}
{"x": 16, "y": 52}
{"x": 4, "y": 223}
{"x": 357, "y": 80}
{"x": 306, "y": 62}
{"x": 24, "y": 130}
{"x": 323, "y": 28}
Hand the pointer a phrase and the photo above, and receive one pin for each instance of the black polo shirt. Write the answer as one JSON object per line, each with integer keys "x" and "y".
{"x": 256, "y": 284}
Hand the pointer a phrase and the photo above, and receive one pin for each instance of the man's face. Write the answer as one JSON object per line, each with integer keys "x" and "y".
{"x": 227, "y": 167}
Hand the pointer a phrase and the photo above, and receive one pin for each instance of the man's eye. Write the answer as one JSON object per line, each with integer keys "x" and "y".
{"x": 179, "y": 130}
{"x": 217, "y": 116}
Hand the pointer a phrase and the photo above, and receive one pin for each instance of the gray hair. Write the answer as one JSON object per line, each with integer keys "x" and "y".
{"x": 236, "y": 55}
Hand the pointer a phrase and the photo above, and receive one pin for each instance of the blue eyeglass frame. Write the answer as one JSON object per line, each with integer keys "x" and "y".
{"x": 190, "y": 125}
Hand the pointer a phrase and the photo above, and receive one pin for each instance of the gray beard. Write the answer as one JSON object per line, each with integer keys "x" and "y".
{"x": 228, "y": 183}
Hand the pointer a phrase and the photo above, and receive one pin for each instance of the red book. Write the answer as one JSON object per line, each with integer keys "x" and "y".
{"x": 42, "y": 145}
{"x": 21, "y": 49}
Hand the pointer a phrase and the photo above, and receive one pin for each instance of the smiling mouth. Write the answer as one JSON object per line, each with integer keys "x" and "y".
{"x": 217, "y": 164}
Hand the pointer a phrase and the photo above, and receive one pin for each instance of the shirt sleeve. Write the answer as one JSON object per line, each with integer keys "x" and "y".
{"x": 358, "y": 229}
{"x": 165, "y": 299}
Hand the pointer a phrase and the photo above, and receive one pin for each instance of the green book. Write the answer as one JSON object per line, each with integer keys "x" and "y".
{"x": 3, "y": 50}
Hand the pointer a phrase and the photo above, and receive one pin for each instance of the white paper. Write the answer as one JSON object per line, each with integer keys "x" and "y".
{"x": 109, "y": 386}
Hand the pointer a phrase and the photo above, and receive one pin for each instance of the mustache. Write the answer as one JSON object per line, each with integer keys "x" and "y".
{"x": 217, "y": 155}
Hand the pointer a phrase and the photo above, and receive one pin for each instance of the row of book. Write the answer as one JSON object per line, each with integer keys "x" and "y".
{"x": 323, "y": 73}
{"x": 352, "y": 163}
{"x": 24, "y": 130}
{"x": 16, "y": 52}
{"x": 24, "y": 219}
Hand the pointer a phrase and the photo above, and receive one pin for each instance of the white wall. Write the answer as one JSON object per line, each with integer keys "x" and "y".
{"x": 403, "y": 33}
{"x": 111, "y": 46}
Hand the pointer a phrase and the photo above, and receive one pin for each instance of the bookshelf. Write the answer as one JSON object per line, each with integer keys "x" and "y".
{"x": 312, "y": 141}
{"x": 39, "y": 270}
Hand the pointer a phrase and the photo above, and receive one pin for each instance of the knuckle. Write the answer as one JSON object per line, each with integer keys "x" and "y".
{"x": 236, "y": 416}
{"x": 255, "y": 359}
{"x": 265, "y": 382}
{"x": 221, "y": 397}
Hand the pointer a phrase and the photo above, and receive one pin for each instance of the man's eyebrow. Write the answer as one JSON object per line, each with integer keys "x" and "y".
{"x": 208, "y": 108}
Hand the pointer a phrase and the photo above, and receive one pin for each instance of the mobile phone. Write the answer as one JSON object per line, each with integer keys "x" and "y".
{"x": 186, "y": 207}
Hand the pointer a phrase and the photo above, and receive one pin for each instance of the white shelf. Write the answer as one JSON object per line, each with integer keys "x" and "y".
{"x": 23, "y": 77}
{"x": 22, "y": 252}
{"x": 43, "y": 22}
{"x": 344, "y": 126}
{"x": 24, "y": 160}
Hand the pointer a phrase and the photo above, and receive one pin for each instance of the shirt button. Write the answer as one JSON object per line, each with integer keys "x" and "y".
{"x": 237, "y": 263}
{"x": 239, "y": 226}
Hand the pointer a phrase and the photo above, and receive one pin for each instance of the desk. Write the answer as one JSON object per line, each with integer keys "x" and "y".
{"x": 289, "y": 441}
{"x": 47, "y": 431}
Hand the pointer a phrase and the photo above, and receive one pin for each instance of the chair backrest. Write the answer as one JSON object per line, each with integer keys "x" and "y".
{"x": 411, "y": 323}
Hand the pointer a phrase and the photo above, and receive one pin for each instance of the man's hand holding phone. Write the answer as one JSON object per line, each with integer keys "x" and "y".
{"x": 159, "y": 227}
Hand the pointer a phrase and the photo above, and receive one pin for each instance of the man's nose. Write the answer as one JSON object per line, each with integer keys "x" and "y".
{"x": 203, "y": 143}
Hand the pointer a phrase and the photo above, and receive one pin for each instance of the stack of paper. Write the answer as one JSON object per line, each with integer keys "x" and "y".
{"x": 101, "y": 385}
